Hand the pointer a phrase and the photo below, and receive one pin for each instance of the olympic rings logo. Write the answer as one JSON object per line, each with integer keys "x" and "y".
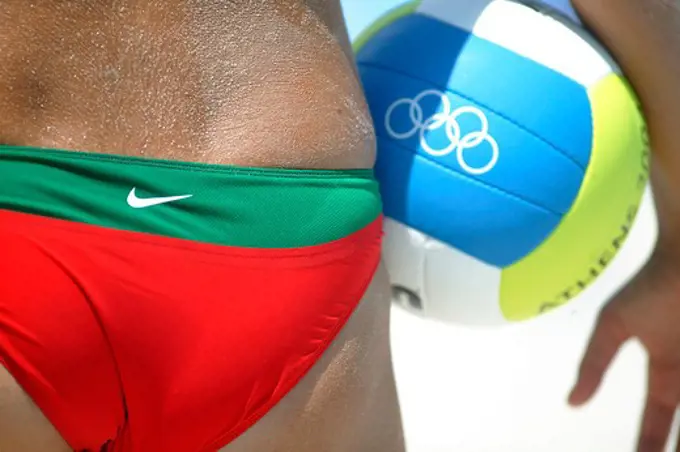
{"x": 448, "y": 119}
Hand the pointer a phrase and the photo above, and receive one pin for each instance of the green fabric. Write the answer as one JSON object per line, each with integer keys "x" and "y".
{"x": 236, "y": 206}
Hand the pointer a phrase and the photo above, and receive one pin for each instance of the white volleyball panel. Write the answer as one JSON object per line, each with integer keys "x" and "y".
{"x": 523, "y": 30}
{"x": 403, "y": 253}
{"x": 432, "y": 279}
{"x": 460, "y": 288}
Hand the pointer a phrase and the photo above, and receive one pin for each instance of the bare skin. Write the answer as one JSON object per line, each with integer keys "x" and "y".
{"x": 247, "y": 82}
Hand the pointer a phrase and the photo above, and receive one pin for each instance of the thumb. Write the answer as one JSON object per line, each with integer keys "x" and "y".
{"x": 609, "y": 334}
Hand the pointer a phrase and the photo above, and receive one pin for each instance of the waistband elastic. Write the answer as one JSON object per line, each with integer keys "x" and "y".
{"x": 219, "y": 204}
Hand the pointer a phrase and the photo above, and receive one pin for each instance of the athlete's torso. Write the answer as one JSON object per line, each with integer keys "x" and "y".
{"x": 244, "y": 82}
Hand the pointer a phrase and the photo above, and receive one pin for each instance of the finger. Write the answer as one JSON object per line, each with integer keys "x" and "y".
{"x": 662, "y": 400}
{"x": 604, "y": 343}
{"x": 656, "y": 426}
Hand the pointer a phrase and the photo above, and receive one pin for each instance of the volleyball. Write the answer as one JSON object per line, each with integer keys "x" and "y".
{"x": 512, "y": 156}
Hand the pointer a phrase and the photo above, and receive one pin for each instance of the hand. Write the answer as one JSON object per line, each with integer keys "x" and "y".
{"x": 644, "y": 37}
{"x": 648, "y": 308}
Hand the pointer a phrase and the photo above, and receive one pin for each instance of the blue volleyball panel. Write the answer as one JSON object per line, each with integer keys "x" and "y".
{"x": 550, "y": 105}
{"x": 487, "y": 224}
{"x": 475, "y": 142}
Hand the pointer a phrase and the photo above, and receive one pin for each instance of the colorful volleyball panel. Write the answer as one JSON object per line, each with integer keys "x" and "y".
{"x": 507, "y": 143}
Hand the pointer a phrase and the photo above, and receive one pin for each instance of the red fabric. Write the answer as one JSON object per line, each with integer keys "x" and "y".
{"x": 160, "y": 344}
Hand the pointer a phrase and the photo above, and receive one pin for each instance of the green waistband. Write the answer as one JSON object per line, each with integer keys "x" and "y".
{"x": 226, "y": 205}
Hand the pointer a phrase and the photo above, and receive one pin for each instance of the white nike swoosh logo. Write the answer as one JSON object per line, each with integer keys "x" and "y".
{"x": 141, "y": 203}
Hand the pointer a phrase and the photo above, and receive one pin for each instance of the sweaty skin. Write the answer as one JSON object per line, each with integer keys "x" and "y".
{"x": 246, "y": 82}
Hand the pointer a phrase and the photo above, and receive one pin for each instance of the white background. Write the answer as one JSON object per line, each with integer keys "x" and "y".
{"x": 501, "y": 390}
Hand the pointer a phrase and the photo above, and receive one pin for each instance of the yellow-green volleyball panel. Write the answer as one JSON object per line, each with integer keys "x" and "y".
{"x": 593, "y": 231}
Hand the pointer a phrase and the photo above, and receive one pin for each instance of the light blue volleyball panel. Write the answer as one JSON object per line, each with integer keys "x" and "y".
{"x": 494, "y": 227}
{"x": 545, "y": 102}
{"x": 466, "y": 138}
